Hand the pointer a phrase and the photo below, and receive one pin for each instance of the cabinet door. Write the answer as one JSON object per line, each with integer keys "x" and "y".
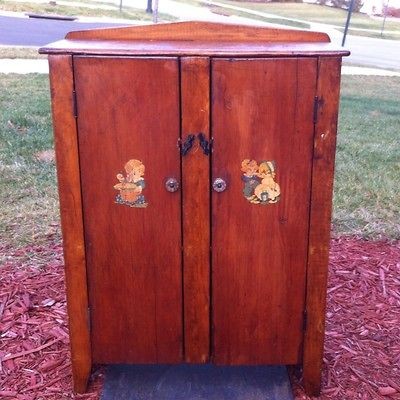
{"x": 262, "y": 125}
{"x": 128, "y": 127}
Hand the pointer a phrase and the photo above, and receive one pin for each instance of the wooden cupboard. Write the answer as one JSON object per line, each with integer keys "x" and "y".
{"x": 195, "y": 167}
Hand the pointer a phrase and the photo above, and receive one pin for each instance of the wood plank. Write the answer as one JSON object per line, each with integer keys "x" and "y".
{"x": 66, "y": 147}
{"x": 262, "y": 110}
{"x": 320, "y": 220}
{"x": 195, "y": 90}
{"x": 194, "y": 48}
{"x": 200, "y": 30}
{"x": 128, "y": 109}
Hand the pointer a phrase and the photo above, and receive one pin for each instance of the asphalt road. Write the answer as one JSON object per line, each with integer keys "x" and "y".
{"x": 38, "y": 32}
{"x": 376, "y": 52}
{"x": 371, "y": 52}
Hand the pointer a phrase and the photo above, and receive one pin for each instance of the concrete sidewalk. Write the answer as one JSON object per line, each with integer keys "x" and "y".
{"x": 23, "y": 66}
{"x": 29, "y": 66}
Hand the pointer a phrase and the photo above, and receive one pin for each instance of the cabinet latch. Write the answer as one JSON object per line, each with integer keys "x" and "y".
{"x": 204, "y": 143}
{"x": 187, "y": 144}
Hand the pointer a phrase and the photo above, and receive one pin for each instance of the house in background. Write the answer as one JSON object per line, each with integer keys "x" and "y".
{"x": 370, "y": 7}
{"x": 377, "y": 7}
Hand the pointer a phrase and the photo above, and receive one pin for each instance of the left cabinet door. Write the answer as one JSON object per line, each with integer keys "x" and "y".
{"x": 128, "y": 127}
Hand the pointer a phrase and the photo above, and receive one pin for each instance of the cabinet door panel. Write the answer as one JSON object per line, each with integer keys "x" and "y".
{"x": 262, "y": 125}
{"x": 128, "y": 109}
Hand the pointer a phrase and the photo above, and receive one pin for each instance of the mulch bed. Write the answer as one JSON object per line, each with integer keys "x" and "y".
{"x": 362, "y": 349}
{"x": 362, "y": 342}
{"x": 34, "y": 345}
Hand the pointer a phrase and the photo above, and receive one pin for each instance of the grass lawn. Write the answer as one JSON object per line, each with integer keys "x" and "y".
{"x": 28, "y": 191}
{"x": 386, "y": 35}
{"x": 312, "y": 13}
{"x": 46, "y": 8}
{"x": 367, "y": 190}
{"x": 367, "y": 194}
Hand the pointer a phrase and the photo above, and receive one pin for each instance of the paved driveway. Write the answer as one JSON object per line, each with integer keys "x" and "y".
{"x": 38, "y": 32}
{"x": 380, "y": 53}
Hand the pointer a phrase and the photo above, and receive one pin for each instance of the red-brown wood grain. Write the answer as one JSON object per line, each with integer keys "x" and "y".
{"x": 195, "y": 89}
{"x": 320, "y": 219}
{"x": 194, "y": 48}
{"x": 261, "y": 110}
{"x": 200, "y": 31}
{"x": 128, "y": 108}
{"x": 66, "y": 147}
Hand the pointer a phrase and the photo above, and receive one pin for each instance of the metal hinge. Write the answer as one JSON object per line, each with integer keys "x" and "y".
{"x": 316, "y": 106}
{"x": 89, "y": 319}
{"x": 304, "y": 320}
{"x": 74, "y": 104}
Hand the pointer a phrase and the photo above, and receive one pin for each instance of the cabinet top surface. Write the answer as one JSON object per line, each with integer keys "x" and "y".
{"x": 195, "y": 38}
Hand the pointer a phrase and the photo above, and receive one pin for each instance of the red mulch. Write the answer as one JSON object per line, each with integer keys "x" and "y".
{"x": 34, "y": 345}
{"x": 362, "y": 351}
{"x": 362, "y": 342}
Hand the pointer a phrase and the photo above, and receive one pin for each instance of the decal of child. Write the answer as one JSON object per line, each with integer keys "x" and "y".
{"x": 131, "y": 186}
{"x": 250, "y": 178}
{"x": 268, "y": 191}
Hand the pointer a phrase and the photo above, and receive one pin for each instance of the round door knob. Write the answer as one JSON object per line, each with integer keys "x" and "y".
{"x": 219, "y": 185}
{"x": 172, "y": 185}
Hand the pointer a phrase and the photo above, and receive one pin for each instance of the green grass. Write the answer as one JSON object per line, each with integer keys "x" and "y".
{"x": 367, "y": 194}
{"x": 28, "y": 191}
{"x": 45, "y": 8}
{"x": 20, "y": 52}
{"x": 386, "y": 35}
{"x": 367, "y": 190}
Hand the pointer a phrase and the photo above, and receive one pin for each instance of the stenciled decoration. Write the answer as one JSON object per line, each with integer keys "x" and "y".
{"x": 131, "y": 186}
{"x": 259, "y": 182}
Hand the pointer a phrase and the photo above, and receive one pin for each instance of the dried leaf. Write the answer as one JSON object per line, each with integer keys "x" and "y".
{"x": 48, "y": 302}
{"x": 47, "y": 156}
{"x": 387, "y": 391}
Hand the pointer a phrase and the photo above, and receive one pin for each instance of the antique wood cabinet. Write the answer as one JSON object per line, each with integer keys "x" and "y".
{"x": 195, "y": 166}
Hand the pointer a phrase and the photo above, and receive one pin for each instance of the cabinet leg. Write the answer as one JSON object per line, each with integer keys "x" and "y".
{"x": 312, "y": 379}
{"x": 81, "y": 377}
